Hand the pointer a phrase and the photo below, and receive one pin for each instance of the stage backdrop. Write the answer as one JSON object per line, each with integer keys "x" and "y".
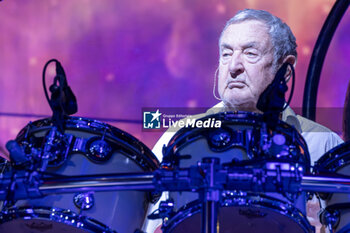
{"x": 121, "y": 56}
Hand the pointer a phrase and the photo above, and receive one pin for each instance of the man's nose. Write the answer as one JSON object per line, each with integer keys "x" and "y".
{"x": 236, "y": 65}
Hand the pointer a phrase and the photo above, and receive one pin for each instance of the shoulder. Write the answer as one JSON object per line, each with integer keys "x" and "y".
{"x": 311, "y": 126}
{"x": 319, "y": 138}
{"x": 304, "y": 125}
{"x": 324, "y": 134}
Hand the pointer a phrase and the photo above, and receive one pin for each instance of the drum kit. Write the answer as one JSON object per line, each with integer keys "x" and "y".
{"x": 73, "y": 174}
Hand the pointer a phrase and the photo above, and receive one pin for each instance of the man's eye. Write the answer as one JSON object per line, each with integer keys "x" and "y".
{"x": 251, "y": 54}
{"x": 226, "y": 54}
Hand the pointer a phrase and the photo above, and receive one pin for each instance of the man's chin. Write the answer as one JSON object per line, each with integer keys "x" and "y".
{"x": 234, "y": 105}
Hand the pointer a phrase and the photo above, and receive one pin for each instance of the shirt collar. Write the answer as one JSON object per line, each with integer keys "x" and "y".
{"x": 291, "y": 118}
{"x": 288, "y": 115}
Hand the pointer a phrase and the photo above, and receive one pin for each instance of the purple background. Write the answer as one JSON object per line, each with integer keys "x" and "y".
{"x": 120, "y": 56}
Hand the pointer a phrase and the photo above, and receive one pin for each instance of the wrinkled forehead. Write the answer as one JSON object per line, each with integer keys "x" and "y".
{"x": 252, "y": 32}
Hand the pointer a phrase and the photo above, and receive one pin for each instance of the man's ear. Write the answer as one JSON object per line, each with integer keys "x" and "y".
{"x": 291, "y": 59}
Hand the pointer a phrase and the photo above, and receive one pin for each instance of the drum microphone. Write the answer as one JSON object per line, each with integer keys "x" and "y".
{"x": 62, "y": 101}
{"x": 272, "y": 100}
{"x": 17, "y": 154}
{"x": 63, "y": 92}
{"x": 273, "y": 97}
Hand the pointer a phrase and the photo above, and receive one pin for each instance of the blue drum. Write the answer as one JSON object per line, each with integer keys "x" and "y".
{"x": 337, "y": 211}
{"x": 4, "y": 167}
{"x": 88, "y": 147}
{"x": 243, "y": 212}
{"x": 244, "y": 139}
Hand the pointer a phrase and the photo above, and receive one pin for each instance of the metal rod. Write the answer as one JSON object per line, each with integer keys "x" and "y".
{"x": 112, "y": 182}
{"x": 329, "y": 184}
{"x": 211, "y": 197}
{"x": 144, "y": 181}
{"x": 318, "y": 56}
{"x": 210, "y": 216}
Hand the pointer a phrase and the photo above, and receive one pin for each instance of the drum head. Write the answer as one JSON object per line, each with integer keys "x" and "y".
{"x": 337, "y": 160}
{"x": 244, "y": 214}
{"x": 38, "y": 226}
{"x": 51, "y": 220}
{"x": 244, "y": 219}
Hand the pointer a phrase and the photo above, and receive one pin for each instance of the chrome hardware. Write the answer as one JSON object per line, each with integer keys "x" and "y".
{"x": 330, "y": 218}
{"x": 84, "y": 201}
{"x": 98, "y": 149}
{"x": 165, "y": 210}
{"x": 220, "y": 138}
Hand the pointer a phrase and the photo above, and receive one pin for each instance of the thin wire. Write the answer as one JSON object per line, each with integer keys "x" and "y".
{"x": 214, "y": 88}
{"x": 44, "y": 82}
{"x": 292, "y": 90}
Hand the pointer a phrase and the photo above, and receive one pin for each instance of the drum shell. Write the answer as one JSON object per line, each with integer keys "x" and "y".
{"x": 188, "y": 147}
{"x": 199, "y": 151}
{"x": 337, "y": 160}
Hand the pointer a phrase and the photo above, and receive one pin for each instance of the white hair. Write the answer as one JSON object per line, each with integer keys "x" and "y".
{"x": 282, "y": 38}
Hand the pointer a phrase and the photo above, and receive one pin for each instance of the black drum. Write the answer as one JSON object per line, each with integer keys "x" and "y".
{"x": 243, "y": 139}
{"x": 337, "y": 210}
{"x": 242, "y": 212}
{"x": 88, "y": 147}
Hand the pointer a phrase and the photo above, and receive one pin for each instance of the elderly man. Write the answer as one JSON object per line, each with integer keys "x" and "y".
{"x": 253, "y": 46}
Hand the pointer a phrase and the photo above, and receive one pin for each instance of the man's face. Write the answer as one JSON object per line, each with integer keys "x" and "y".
{"x": 246, "y": 64}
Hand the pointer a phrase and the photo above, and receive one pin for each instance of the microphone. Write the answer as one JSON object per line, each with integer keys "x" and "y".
{"x": 17, "y": 154}
{"x": 68, "y": 101}
{"x": 62, "y": 101}
{"x": 272, "y": 99}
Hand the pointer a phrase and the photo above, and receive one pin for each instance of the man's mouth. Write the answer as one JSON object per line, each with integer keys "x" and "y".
{"x": 235, "y": 84}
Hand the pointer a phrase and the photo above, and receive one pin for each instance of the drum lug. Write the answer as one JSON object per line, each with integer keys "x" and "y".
{"x": 98, "y": 149}
{"x": 165, "y": 210}
{"x": 330, "y": 218}
{"x": 84, "y": 201}
{"x": 220, "y": 139}
{"x": 55, "y": 149}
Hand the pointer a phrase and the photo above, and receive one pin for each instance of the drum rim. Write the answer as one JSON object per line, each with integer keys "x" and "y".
{"x": 144, "y": 156}
{"x": 64, "y": 216}
{"x": 330, "y": 160}
{"x": 181, "y": 136}
{"x": 194, "y": 207}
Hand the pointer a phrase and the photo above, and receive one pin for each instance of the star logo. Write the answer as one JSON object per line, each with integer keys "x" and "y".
{"x": 156, "y": 115}
{"x": 151, "y": 120}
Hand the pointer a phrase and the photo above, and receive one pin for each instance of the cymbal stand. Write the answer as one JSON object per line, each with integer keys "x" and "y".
{"x": 210, "y": 196}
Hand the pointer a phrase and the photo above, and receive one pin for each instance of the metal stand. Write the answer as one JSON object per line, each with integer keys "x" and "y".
{"x": 208, "y": 178}
{"x": 210, "y": 211}
{"x": 211, "y": 197}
